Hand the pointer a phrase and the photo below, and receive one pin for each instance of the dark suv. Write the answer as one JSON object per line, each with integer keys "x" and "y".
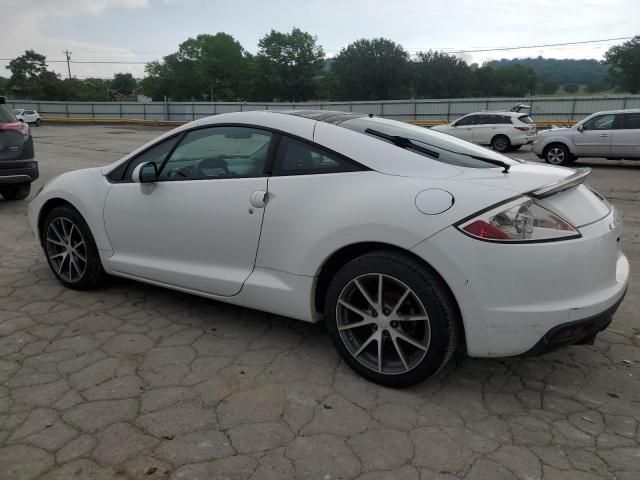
{"x": 18, "y": 167}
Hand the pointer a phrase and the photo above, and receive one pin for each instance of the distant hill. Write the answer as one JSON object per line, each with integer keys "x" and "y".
{"x": 554, "y": 73}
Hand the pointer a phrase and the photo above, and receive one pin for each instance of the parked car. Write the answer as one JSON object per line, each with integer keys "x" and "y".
{"x": 18, "y": 167}
{"x": 405, "y": 241}
{"x": 28, "y": 116}
{"x": 614, "y": 135}
{"x": 503, "y": 131}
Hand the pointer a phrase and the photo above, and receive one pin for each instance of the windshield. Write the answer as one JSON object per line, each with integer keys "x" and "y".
{"x": 6, "y": 116}
{"x": 449, "y": 149}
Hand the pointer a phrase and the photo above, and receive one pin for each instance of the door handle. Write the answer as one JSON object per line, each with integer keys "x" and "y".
{"x": 258, "y": 199}
{"x": 604, "y": 134}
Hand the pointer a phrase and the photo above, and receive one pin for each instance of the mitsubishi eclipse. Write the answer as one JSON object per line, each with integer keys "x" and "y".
{"x": 407, "y": 243}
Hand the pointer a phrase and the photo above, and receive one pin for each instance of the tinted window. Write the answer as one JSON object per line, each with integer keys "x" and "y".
{"x": 6, "y": 116}
{"x": 218, "y": 152}
{"x": 449, "y": 149}
{"x": 28, "y": 112}
{"x": 601, "y": 122}
{"x": 299, "y": 158}
{"x": 526, "y": 119}
{"x": 630, "y": 121}
{"x": 155, "y": 154}
{"x": 468, "y": 120}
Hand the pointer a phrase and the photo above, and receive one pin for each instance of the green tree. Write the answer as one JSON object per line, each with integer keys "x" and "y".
{"x": 485, "y": 82}
{"x": 288, "y": 63}
{"x": 327, "y": 86}
{"x": 516, "y": 80}
{"x": 624, "y": 61}
{"x": 206, "y": 67}
{"x": 440, "y": 75}
{"x": 376, "y": 69}
{"x": 123, "y": 83}
{"x": 571, "y": 87}
{"x": 29, "y": 76}
{"x": 548, "y": 87}
{"x": 4, "y": 82}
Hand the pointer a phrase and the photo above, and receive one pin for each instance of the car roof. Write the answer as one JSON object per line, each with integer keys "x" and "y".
{"x": 328, "y": 116}
{"x": 506, "y": 113}
{"x": 626, "y": 110}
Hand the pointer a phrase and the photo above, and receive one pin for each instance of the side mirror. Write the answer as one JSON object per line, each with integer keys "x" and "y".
{"x": 580, "y": 128}
{"x": 145, "y": 173}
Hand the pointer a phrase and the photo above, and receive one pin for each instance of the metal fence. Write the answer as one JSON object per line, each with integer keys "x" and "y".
{"x": 542, "y": 108}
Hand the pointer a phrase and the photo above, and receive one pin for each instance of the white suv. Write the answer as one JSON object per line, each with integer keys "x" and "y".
{"x": 613, "y": 135}
{"x": 28, "y": 116}
{"x": 503, "y": 131}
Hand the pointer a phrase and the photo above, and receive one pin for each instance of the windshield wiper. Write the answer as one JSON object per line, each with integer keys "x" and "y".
{"x": 402, "y": 142}
{"x": 407, "y": 143}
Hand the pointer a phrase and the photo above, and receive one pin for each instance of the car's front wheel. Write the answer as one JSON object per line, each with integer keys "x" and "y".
{"x": 391, "y": 318}
{"x": 71, "y": 250}
{"x": 557, "y": 154}
{"x": 15, "y": 191}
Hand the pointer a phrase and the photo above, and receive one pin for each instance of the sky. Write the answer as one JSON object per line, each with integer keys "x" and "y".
{"x": 146, "y": 30}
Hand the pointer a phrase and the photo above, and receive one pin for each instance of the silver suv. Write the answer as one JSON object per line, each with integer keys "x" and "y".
{"x": 613, "y": 135}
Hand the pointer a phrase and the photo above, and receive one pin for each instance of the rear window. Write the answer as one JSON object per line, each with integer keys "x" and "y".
{"x": 6, "y": 115}
{"x": 526, "y": 119}
{"x": 450, "y": 150}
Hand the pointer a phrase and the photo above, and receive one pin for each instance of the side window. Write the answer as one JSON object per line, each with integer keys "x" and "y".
{"x": 466, "y": 121}
{"x": 630, "y": 121}
{"x": 218, "y": 152}
{"x": 299, "y": 158}
{"x": 601, "y": 122}
{"x": 155, "y": 154}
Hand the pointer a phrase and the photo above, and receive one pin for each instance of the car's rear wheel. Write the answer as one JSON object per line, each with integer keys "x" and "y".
{"x": 15, "y": 191}
{"x": 501, "y": 143}
{"x": 38, "y": 122}
{"x": 557, "y": 154}
{"x": 391, "y": 318}
{"x": 71, "y": 250}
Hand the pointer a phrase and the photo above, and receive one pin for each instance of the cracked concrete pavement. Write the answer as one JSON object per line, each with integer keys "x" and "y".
{"x": 137, "y": 382}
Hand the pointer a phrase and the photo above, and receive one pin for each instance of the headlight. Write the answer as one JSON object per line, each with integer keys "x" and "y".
{"x": 521, "y": 220}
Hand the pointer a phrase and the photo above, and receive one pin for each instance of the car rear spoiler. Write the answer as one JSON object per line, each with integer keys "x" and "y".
{"x": 570, "y": 182}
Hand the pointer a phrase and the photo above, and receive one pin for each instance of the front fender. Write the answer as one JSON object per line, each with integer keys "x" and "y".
{"x": 86, "y": 190}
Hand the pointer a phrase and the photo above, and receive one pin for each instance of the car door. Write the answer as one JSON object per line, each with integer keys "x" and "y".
{"x": 463, "y": 128}
{"x": 625, "y": 140}
{"x": 484, "y": 128}
{"x": 594, "y": 139}
{"x": 197, "y": 226}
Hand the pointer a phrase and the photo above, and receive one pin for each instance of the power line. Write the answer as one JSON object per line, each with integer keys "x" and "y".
{"x": 449, "y": 50}
{"x": 540, "y": 46}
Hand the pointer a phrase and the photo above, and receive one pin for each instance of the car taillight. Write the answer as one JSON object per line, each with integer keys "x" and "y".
{"x": 522, "y": 129}
{"x": 522, "y": 220}
{"x": 16, "y": 127}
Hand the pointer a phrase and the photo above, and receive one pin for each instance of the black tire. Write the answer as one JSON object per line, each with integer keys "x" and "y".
{"x": 93, "y": 274}
{"x": 15, "y": 191}
{"x": 557, "y": 154}
{"x": 38, "y": 122}
{"x": 431, "y": 293}
{"x": 501, "y": 143}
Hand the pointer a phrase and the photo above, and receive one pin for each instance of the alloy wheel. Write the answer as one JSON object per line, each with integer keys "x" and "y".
{"x": 66, "y": 249}
{"x": 500, "y": 144}
{"x": 556, "y": 156}
{"x": 383, "y": 323}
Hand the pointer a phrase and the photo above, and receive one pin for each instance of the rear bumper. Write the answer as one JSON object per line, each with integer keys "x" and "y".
{"x": 512, "y": 296}
{"x": 18, "y": 171}
{"x": 580, "y": 332}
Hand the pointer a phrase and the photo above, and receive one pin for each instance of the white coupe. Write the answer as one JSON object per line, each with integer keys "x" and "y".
{"x": 408, "y": 243}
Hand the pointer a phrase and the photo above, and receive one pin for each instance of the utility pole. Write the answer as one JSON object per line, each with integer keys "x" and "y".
{"x": 68, "y": 55}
